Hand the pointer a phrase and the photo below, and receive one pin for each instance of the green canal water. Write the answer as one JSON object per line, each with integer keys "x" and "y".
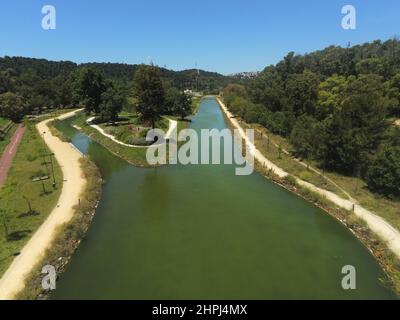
{"x": 201, "y": 232}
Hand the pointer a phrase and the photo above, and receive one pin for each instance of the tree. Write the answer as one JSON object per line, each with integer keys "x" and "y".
{"x": 183, "y": 105}
{"x": 149, "y": 92}
{"x": 11, "y": 106}
{"x": 302, "y": 92}
{"x": 383, "y": 174}
{"x": 302, "y": 136}
{"x": 330, "y": 96}
{"x": 171, "y": 96}
{"x": 112, "y": 102}
{"x": 233, "y": 90}
{"x": 267, "y": 90}
{"x": 90, "y": 87}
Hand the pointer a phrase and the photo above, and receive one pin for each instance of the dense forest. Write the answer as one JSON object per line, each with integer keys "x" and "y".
{"x": 32, "y": 85}
{"x": 336, "y": 106}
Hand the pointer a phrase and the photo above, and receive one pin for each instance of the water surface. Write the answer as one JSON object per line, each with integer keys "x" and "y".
{"x": 200, "y": 232}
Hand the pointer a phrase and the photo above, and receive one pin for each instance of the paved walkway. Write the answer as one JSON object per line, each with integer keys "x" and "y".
{"x": 9, "y": 153}
{"x": 376, "y": 223}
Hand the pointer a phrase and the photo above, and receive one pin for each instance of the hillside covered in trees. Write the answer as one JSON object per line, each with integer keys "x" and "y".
{"x": 28, "y": 85}
{"x": 336, "y": 107}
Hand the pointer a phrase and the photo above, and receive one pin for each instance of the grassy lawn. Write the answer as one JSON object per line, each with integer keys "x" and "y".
{"x": 14, "y": 210}
{"x": 135, "y": 156}
{"x": 195, "y": 104}
{"x": 129, "y": 130}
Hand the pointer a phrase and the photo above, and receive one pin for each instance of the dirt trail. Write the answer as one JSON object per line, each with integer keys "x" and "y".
{"x": 13, "y": 279}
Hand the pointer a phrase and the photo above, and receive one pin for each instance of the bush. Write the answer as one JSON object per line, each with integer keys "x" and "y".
{"x": 305, "y": 175}
{"x": 290, "y": 180}
{"x": 138, "y": 141}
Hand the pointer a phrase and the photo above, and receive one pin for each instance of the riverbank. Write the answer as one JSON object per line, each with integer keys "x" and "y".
{"x": 384, "y": 235}
{"x": 68, "y": 236}
{"x": 73, "y": 184}
{"x": 172, "y": 127}
{"x": 135, "y": 155}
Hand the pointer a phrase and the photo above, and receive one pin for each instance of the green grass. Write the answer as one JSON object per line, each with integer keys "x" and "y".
{"x": 357, "y": 188}
{"x": 386, "y": 208}
{"x": 28, "y": 163}
{"x": 196, "y": 104}
{"x": 135, "y": 156}
{"x": 69, "y": 235}
{"x": 287, "y": 162}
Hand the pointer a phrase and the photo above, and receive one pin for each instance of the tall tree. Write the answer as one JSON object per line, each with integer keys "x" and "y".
{"x": 112, "y": 102}
{"x": 149, "y": 92}
{"x": 11, "y": 106}
{"x": 183, "y": 106}
{"x": 90, "y": 87}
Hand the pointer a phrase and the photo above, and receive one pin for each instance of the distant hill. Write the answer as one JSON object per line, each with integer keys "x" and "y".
{"x": 194, "y": 79}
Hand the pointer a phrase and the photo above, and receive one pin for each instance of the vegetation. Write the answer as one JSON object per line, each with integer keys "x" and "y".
{"x": 149, "y": 93}
{"x": 7, "y": 129}
{"x": 25, "y": 203}
{"x": 69, "y": 235}
{"x": 178, "y": 103}
{"x": 34, "y": 86}
{"x": 343, "y": 96}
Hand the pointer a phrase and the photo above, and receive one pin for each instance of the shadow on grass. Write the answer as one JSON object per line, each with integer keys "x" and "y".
{"x": 18, "y": 235}
{"x": 29, "y": 214}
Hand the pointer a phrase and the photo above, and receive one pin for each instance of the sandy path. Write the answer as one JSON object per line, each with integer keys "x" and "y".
{"x": 68, "y": 158}
{"x": 9, "y": 153}
{"x": 377, "y": 224}
{"x": 172, "y": 127}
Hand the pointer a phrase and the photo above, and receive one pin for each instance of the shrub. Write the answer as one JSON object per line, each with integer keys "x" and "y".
{"x": 290, "y": 180}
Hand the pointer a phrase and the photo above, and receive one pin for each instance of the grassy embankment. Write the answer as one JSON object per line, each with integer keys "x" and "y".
{"x": 69, "y": 235}
{"x": 17, "y": 224}
{"x": 389, "y": 262}
{"x": 356, "y": 187}
{"x": 135, "y": 156}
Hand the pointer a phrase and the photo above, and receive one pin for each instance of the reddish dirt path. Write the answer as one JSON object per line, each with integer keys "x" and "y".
{"x": 9, "y": 153}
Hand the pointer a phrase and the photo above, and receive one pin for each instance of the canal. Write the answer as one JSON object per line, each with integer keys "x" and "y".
{"x": 201, "y": 232}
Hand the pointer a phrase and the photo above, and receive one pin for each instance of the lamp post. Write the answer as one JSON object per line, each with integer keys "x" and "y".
{"x": 52, "y": 170}
{"x": 44, "y": 152}
{"x": 51, "y": 163}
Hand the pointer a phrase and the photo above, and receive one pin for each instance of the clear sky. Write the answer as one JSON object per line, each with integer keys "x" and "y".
{"x": 226, "y": 36}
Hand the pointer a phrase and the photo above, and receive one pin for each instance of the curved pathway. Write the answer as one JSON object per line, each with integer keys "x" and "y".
{"x": 172, "y": 127}
{"x": 377, "y": 224}
{"x": 13, "y": 279}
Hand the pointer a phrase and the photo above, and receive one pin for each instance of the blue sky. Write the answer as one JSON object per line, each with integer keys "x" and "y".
{"x": 226, "y": 36}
